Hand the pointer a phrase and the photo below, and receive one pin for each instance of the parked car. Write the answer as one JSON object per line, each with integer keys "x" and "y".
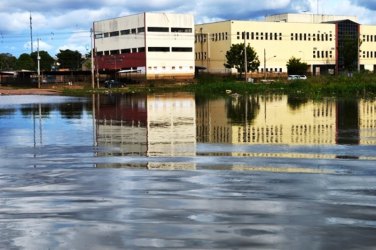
{"x": 297, "y": 77}
{"x": 113, "y": 84}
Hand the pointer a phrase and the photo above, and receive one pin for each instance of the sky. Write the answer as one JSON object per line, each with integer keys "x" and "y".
{"x": 65, "y": 24}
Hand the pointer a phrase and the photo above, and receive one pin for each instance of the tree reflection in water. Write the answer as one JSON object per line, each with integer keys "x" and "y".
{"x": 242, "y": 108}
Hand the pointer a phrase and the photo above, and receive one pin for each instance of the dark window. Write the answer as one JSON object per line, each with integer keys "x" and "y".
{"x": 159, "y": 49}
{"x": 125, "y": 32}
{"x": 181, "y": 30}
{"x": 114, "y": 52}
{"x": 114, "y": 33}
{"x": 133, "y": 31}
{"x": 181, "y": 49}
{"x": 141, "y": 49}
{"x": 134, "y": 50}
{"x": 158, "y": 29}
{"x": 140, "y": 30}
{"x": 125, "y": 51}
{"x": 105, "y": 34}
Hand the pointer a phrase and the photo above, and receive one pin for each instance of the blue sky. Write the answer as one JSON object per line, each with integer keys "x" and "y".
{"x": 65, "y": 24}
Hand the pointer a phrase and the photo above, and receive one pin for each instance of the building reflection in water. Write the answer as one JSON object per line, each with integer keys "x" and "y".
{"x": 163, "y": 129}
{"x": 279, "y": 119}
{"x": 148, "y": 126}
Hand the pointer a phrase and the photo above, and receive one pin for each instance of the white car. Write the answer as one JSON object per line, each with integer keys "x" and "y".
{"x": 297, "y": 77}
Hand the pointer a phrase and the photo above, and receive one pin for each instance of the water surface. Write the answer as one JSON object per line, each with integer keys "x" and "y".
{"x": 241, "y": 172}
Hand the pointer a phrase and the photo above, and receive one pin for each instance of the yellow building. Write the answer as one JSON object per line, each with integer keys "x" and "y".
{"x": 317, "y": 40}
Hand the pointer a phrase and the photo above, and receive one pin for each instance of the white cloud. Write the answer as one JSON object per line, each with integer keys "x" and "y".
{"x": 55, "y": 22}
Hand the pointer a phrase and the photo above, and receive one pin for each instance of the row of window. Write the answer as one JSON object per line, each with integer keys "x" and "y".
{"x": 322, "y": 54}
{"x": 311, "y": 37}
{"x": 369, "y": 38}
{"x": 222, "y": 36}
{"x": 142, "y": 30}
{"x": 369, "y": 54}
{"x": 167, "y": 68}
{"x": 142, "y": 49}
{"x": 259, "y": 36}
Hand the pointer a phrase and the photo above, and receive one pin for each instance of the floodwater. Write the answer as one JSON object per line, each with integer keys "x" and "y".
{"x": 174, "y": 171}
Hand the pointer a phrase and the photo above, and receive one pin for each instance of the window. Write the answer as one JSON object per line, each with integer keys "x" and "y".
{"x": 238, "y": 35}
{"x": 125, "y": 32}
{"x": 140, "y": 30}
{"x": 159, "y": 49}
{"x": 280, "y": 36}
{"x": 252, "y": 35}
{"x": 181, "y": 30}
{"x": 114, "y": 52}
{"x": 114, "y": 33}
{"x": 134, "y": 50}
{"x": 181, "y": 49}
{"x": 158, "y": 29}
{"x": 141, "y": 49}
{"x": 125, "y": 51}
{"x": 105, "y": 34}
{"x": 133, "y": 31}
{"x": 98, "y": 36}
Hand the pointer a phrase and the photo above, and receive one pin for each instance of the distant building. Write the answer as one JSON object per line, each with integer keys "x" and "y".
{"x": 156, "y": 45}
{"x": 317, "y": 40}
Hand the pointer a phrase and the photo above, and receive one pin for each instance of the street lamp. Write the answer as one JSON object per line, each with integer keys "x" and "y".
{"x": 265, "y": 62}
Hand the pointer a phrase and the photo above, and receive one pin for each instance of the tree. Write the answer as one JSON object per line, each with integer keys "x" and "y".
{"x": 25, "y": 62}
{"x": 235, "y": 58}
{"x": 46, "y": 61}
{"x": 69, "y": 59}
{"x": 7, "y": 61}
{"x": 296, "y": 67}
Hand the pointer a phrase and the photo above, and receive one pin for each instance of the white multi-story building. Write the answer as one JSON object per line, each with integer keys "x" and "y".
{"x": 159, "y": 45}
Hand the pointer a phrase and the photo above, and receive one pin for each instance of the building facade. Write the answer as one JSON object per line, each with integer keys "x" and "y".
{"x": 318, "y": 40}
{"x": 156, "y": 45}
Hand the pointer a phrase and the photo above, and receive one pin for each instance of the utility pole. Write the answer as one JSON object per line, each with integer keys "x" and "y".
{"x": 264, "y": 63}
{"x": 245, "y": 57}
{"x": 38, "y": 59}
{"x": 92, "y": 58}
